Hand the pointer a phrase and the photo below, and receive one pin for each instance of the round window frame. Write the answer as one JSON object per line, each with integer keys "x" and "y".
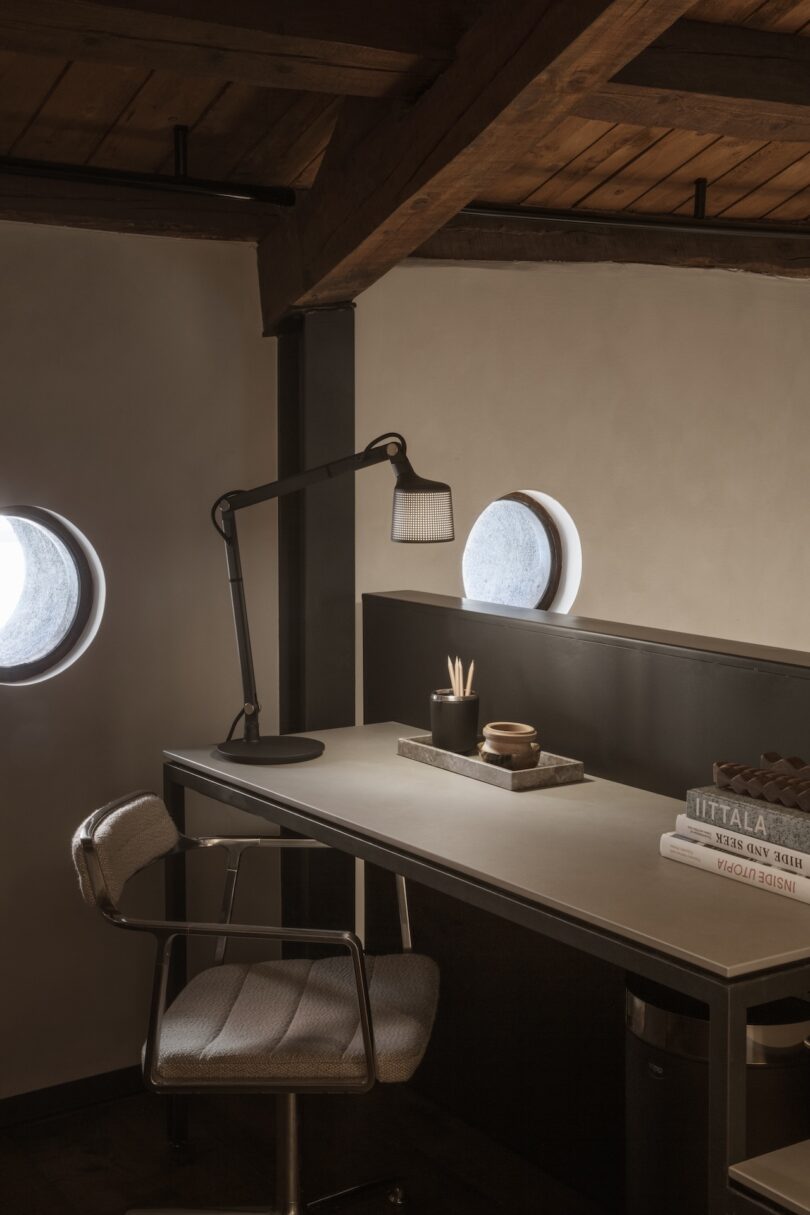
{"x": 554, "y": 544}
{"x": 25, "y": 672}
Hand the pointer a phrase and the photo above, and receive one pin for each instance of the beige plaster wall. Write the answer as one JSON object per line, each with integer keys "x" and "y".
{"x": 668, "y": 410}
{"x": 134, "y": 387}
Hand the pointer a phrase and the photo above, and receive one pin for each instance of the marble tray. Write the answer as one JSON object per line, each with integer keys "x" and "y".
{"x": 550, "y": 770}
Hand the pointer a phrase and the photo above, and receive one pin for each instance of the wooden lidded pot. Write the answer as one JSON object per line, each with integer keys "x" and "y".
{"x": 510, "y": 744}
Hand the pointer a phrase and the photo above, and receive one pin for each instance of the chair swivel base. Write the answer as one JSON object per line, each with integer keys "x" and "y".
{"x": 392, "y": 1190}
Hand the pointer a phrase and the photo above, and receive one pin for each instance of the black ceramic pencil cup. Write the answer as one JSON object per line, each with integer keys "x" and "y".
{"x": 454, "y": 721}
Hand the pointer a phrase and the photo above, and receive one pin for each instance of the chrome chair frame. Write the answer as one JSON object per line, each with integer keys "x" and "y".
{"x": 166, "y": 932}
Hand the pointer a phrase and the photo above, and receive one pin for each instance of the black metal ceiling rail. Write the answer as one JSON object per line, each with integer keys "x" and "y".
{"x": 280, "y": 196}
{"x": 180, "y": 144}
{"x": 644, "y": 223}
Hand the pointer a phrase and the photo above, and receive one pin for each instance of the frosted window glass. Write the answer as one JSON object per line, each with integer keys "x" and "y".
{"x": 39, "y": 591}
{"x": 508, "y": 557}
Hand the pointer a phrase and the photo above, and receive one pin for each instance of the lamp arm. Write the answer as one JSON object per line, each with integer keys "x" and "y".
{"x": 228, "y": 504}
{"x": 371, "y": 455}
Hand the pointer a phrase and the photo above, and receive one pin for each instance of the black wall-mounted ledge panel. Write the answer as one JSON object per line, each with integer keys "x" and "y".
{"x": 643, "y": 706}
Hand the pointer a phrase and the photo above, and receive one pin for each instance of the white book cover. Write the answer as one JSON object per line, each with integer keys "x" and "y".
{"x": 740, "y": 869}
{"x": 743, "y": 845}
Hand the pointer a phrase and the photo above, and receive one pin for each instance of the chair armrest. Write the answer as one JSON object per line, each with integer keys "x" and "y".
{"x": 166, "y": 931}
{"x": 235, "y": 846}
{"x": 249, "y": 841}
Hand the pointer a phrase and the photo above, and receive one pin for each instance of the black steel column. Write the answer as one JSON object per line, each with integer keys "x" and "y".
{"x": 316, "y": 527}
{"x": 316, "y": 572}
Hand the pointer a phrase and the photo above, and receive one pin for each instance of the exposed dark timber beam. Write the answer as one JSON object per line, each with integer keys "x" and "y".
{"x": 697, "y": 75}
{"x": 716, "y": 78}
{"x": 510, "y": 83}
{"x": 116, "y": 208}
{"x": 665, "y": 107}
{"x": 489, "y": 235}
{"x": 306, "y": 45}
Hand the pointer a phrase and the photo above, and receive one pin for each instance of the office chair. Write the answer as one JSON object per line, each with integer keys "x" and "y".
{"x": 335, "y": 1024}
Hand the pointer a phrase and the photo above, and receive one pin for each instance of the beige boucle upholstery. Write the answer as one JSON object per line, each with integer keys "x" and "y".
{"x": 133, "y": 835}
{"x": 298, "y": 1020}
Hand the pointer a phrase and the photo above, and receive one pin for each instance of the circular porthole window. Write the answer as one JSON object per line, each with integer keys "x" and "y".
{"x": 524, "y": 551}
{"x": 51, "y": 594}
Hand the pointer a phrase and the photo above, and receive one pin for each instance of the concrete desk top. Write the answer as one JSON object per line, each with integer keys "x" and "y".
{"x": 589, "y": 851}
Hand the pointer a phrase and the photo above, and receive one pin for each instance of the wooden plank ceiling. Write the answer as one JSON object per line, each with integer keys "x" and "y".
{"x": 599, "y": 165}
{"x": 101, "y": 108}
{"x": 121, "y": 117}
{"x": 719, "y": 91}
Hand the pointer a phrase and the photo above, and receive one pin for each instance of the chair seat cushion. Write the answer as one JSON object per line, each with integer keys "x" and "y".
{"x": 298, "y": 1019}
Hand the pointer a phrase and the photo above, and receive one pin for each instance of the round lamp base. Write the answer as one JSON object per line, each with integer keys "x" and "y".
{"x": 271, "y": 749}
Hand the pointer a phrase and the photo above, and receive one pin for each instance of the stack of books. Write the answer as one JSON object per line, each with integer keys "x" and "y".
{"x": 753, "y": 839}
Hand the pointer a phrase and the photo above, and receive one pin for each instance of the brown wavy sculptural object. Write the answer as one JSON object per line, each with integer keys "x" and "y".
{"x": 784, "y": 781}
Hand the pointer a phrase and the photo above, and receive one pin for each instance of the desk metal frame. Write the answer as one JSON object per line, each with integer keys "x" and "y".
{"x": 728, "y": 999}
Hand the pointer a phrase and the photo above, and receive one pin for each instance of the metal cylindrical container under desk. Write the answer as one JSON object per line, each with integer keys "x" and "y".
{"x": 667, "y": 1093}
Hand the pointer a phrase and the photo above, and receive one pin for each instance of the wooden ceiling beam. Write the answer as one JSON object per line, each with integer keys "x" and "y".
{"x": 355, "y": 47}
{"x": 68, "y": 204}
{"x": 713, "y": 78}
{"x": 489, "y": 238}
{"x": 510, "y": 83}
{"x": 697, "y": 75}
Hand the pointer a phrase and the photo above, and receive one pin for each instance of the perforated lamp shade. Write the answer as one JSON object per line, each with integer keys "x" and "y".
{"x": 423, "y": 510}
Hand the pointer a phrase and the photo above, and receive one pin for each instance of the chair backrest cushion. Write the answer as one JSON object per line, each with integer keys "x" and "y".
{"x": 133, "y": 833}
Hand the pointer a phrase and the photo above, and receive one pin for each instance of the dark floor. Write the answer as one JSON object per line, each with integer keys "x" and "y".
{"x": 110, "y": 1157}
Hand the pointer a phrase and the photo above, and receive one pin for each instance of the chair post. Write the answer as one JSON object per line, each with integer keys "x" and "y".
{"x": 288, "y": 1173}
{"x": 177, "y": 1120}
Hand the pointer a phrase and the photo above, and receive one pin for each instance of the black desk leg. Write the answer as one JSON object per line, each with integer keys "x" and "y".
{"x": 727, "y": 1081}
{"x": 174, "y": 796}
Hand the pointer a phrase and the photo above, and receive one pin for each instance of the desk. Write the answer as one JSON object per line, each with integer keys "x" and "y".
{"x": 577, "y": 863}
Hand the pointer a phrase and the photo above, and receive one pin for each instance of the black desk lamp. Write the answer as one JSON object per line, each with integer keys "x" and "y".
{"x": 422, "y": 513}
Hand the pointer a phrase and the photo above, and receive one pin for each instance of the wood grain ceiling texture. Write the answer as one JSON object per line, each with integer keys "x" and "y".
{"x": 120, "y": 114}
{"x": 598, "y": 166}
{"x": 93, "y": 112}
{"x": 123, "y": 118}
